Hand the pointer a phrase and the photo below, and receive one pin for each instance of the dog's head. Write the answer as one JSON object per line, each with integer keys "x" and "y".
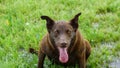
{"x": 61, "y": 33}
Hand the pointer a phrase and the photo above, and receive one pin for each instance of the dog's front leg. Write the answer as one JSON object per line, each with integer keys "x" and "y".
{"x": 82, "y": 62}
{"x": 41, "y": 58}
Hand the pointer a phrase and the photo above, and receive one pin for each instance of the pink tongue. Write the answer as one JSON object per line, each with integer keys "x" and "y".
{"x": 63, "y": 56}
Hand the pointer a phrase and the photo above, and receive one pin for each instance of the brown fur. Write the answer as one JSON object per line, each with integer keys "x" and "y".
{"x": 78, "y": 50}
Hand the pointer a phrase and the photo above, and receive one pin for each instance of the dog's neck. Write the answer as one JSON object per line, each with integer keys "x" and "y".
{"x": 51, "y": 42}
{"x": 75, "y": 42}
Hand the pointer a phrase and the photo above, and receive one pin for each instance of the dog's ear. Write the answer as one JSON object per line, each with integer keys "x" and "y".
{"x": 50, "y": 22}
{"x": 74, "y": 21}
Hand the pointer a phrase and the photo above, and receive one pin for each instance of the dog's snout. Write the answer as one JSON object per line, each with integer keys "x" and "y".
{"x": 63, "y": 45}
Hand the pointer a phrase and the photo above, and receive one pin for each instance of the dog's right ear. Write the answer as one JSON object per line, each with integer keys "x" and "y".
{"x": 50, "y": 22}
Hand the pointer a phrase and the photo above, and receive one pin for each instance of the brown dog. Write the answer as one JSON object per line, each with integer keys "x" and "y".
{"x": 63, "y": 44}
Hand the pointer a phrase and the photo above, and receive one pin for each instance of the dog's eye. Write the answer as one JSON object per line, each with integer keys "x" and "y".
{"x": 68, "y": 31}
{"x": 56, "y": 31}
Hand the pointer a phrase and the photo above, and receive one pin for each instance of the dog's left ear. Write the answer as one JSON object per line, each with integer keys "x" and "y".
{"x": 50, "y": 22}
{"x": 74, "y": 21}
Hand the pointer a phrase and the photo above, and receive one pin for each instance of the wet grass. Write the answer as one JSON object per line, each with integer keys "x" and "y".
{"x": 21, "y": 28}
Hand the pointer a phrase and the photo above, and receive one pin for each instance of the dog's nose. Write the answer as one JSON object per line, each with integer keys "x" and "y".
{"x": 63, "y": 45}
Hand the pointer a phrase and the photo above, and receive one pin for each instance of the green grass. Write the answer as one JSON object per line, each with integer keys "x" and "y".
{"x": 21, "y": 28}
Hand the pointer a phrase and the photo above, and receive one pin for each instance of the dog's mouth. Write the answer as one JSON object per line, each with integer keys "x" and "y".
{"x": 63, "y": 55}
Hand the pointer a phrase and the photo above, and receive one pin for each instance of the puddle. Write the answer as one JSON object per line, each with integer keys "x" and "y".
{"x": 108, "y": 45}
{"x": 116, "y": 60}
{"x": 115, "y": 63}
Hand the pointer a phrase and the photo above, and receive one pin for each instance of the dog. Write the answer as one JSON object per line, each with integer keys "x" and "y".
{"x": 63, "y": 44}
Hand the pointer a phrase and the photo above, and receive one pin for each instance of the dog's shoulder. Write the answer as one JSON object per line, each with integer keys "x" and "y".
{"x": 45, "y": 43}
